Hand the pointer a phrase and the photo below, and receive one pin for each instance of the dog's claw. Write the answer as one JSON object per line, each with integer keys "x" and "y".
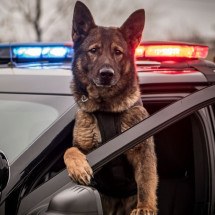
{"x": 81, "y": 175}
{"x": 142, "y": 211}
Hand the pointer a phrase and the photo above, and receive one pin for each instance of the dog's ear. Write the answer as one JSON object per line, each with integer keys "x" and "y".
{"x": 133, "y": 27}
{"x": 82, "y": 22}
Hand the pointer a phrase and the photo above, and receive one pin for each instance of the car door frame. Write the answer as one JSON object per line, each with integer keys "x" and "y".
{"x": 128, "y": 139}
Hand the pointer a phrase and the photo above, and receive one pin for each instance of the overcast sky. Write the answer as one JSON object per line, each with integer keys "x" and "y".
{"x": 165, "y": 19}
{"x": 181, "y": 17}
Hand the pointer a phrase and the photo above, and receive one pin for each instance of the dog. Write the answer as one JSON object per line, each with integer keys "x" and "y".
{"x": 105, "y": 82}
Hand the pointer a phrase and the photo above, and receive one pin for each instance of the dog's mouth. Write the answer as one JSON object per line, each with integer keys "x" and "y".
{"x": 103, "y": 83}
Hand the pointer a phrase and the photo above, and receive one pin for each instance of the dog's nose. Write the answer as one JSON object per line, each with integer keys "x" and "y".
{"x": 106, "y": 73}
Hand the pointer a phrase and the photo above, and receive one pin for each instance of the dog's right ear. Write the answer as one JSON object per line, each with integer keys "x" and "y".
{"x": 82, "y": 22}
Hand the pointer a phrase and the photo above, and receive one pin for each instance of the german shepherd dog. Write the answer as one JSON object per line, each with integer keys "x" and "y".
{"x": 105, "y": 81}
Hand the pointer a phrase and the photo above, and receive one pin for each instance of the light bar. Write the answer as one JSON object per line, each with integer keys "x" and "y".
{"x": 42, "y": 52}
{"x": 171, "y": 51}
{"x": 61, "y": 52}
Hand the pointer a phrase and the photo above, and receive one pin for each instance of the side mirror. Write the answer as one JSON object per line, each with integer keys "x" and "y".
{"x": 4, "y": 171}
{"x": 76, "y": 200}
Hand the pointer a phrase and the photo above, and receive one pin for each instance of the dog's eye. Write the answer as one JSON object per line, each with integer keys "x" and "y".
{"x": 117, "y": 52}
{"x": 93, "y": 50}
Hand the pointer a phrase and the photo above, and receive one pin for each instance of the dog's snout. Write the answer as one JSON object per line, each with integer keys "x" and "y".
{"x": 106, "y": 76}
{"x": 106, "y": 72}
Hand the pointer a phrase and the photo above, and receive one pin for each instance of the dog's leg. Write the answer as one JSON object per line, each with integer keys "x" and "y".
{"x": 143, "y": 159}
{"x": 86, "y": 136}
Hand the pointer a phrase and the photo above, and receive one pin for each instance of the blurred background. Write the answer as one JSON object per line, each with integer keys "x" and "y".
{"x": 50, "y": 20}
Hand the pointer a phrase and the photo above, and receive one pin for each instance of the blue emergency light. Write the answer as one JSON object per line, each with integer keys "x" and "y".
{"x": 42, "y": 52}
{"x": 36, "y": 53}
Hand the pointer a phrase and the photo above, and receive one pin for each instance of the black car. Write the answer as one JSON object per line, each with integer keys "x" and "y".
{"x": 37, "y": 113}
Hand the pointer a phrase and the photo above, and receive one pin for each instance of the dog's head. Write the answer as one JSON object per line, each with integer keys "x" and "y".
{"x": 103, "y": 55}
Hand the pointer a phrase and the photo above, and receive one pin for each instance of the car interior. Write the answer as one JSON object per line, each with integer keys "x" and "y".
{"x": 181, "y": 164}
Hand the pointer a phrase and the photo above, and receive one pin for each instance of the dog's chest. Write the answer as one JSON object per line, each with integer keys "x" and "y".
{"x": 117, "y": 177}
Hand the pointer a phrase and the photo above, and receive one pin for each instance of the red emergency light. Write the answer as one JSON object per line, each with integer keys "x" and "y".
{"x": 170, "y": 50}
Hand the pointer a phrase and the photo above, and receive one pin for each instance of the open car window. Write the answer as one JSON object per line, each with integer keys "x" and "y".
{"x": 151, "y": 126}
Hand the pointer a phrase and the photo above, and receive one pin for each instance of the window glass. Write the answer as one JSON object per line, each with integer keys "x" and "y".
{"x": 24, "y": 118}
{"x": 21, "y": 123}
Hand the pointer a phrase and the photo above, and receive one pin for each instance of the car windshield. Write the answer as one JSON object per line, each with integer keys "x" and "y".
{"x": 24, "y": 118}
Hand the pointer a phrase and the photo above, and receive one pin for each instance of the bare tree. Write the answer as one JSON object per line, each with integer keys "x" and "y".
{"x": 31, "y": 16}
{"x": 29, "y": 11}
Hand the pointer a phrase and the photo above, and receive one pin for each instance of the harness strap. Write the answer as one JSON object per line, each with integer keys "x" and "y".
{"x": 109, "y": 124}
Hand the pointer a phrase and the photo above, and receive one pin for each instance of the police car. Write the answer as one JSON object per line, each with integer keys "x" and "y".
{"x": 37, "y": 113}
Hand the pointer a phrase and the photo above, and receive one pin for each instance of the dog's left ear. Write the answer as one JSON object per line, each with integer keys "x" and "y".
{"x": 133, "y": 27}
{"x": 82, "y": 22}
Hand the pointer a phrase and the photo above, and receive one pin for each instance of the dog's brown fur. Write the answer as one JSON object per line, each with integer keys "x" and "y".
{"x": 99, "y": 49}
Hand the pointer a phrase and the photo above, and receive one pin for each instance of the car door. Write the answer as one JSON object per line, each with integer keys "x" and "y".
{"x": 36, "y": 202}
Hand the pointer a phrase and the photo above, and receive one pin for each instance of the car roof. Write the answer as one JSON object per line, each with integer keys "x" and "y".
{"x": 57, "y": 81}
{"x": 35, "y": 81}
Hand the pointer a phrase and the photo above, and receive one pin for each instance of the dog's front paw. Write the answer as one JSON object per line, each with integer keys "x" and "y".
{"x": 77, "y": 166}
{"x": 142, "y": 211}
{"x": 80, "y": 171}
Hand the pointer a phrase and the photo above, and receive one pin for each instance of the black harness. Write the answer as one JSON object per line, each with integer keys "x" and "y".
{"x": 115, "y": 179}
